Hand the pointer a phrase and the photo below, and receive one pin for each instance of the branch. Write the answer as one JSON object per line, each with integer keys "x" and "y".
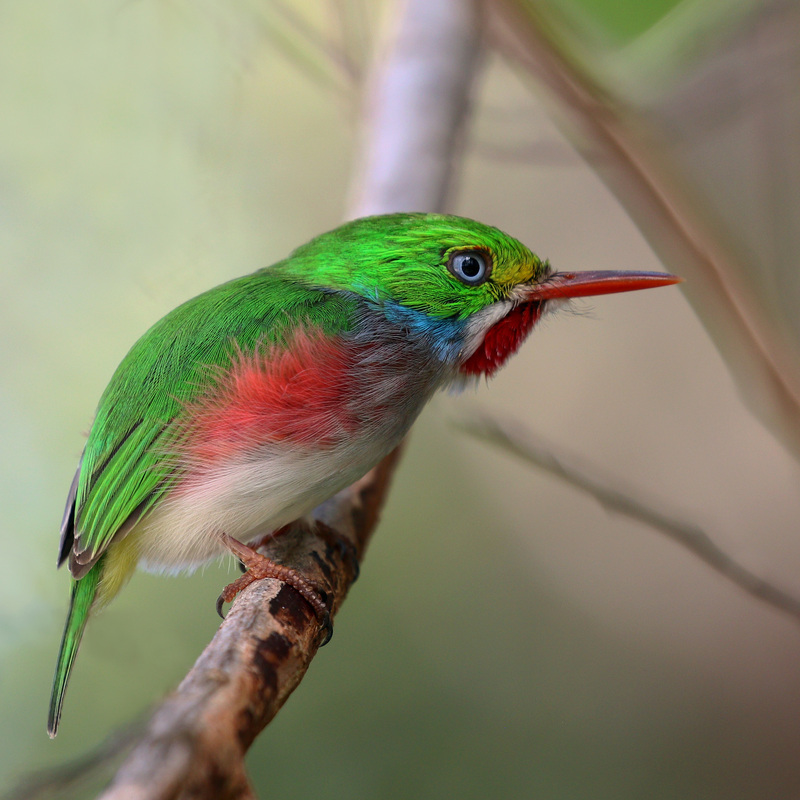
{"x": 661, "y": 202}
{"x": 418, "y": 97}
{"x": 515, "y": 438}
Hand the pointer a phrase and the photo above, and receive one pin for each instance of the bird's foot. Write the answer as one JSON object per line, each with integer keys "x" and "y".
{"x": 259, "y": 567}
{"x": 333, "y": 539}
{"x": 266, "y": 539}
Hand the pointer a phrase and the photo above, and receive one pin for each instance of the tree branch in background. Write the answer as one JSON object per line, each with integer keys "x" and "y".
{"x": 662, "y": 203}
{"x": 418, "y": 97}
{"x": 515, "y": 438}
{"x": 196, "y": 741}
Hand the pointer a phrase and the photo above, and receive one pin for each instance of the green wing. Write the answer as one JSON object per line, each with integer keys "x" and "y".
{"x": 126, "y": 467}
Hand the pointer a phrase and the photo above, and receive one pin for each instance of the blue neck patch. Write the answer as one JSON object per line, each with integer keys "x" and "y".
{"x": 444, "y": 337}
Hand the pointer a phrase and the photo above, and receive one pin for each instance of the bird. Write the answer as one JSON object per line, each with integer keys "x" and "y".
{"x": 246, "y": 407}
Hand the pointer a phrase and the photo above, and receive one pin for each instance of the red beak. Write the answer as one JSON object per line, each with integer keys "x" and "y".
{"x": 584, "y": 284}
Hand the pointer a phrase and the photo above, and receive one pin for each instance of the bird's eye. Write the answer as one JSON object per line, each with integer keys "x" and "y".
{"x": 470, "y": 266}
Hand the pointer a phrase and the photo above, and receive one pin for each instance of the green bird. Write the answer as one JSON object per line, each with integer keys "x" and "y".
{"x": 246, "y": 407}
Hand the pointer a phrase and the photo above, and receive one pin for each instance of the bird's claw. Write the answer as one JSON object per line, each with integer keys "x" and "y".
{"x": 260, "y": 567}
{"x": 327, "y": 627}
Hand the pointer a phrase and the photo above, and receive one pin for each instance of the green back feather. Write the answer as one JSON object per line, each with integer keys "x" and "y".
{"x": 124, "y": 471}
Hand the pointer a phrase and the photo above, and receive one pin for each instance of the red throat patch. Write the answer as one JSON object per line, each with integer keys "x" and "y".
{"x": 503, "y": 340}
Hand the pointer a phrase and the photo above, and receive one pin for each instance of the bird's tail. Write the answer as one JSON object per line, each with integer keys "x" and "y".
{"x": 83, "y": 594}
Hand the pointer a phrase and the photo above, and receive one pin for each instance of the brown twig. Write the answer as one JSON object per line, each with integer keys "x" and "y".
{"x": 517, "y": 439}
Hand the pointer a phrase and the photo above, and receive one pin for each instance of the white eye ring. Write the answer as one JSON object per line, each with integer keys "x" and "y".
{"x": 472, "y": 267}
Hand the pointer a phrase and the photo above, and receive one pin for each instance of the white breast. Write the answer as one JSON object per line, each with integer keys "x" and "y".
{"x": 247, "y": 498}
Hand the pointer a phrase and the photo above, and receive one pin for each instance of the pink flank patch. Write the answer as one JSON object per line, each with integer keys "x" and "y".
{"x": 300, "y": 395}
{"x": 502, "y": 340}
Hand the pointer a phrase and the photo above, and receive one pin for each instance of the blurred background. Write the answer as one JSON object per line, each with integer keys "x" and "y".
{"x": 507, "y": 637}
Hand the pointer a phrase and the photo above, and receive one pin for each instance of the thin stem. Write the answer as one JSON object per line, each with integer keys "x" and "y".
{"x": 515, "y": 438}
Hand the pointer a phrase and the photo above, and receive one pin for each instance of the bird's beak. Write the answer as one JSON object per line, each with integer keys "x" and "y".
{"x": 584, "y": 284}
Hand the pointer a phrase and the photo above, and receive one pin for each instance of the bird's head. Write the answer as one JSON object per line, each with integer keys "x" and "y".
{"x": 477, "y": 289}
